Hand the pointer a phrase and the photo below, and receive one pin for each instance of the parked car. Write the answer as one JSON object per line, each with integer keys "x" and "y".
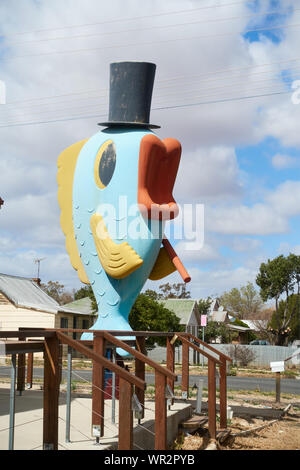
{"x": 260, "y": 342}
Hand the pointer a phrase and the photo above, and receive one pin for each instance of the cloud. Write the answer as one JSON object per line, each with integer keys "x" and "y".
{"x": 215, "y": 282}
{"x": 245, "y": 244}
{"x": 209, "y": 174}
{"x": 265, "y": 218}
{"x": 260, "y": 219}
{"x": 188, "y": 72}
{"x": 286, "y": 248}
{"x": 280, "y": 161}
{"x": 208, "y": 253}
{"x": 286, "y": 199}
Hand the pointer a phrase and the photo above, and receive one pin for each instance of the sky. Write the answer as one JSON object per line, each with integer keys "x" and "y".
{"x": 224, "y": 88}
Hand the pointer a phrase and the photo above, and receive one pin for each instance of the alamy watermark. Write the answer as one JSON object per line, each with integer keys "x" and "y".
{"x": 2, "y": 92}
{"x": 135, "y": 221}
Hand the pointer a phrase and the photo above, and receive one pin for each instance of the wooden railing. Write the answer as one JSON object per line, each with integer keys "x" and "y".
{"x": 212, "y": 363}
{"x": 161, "y": 375}
{"x": 128, "y": 383}
{"x": 223, "y": 359}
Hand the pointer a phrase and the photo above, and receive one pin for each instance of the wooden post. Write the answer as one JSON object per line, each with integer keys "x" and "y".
{"x": 277, "y": 387}
{"x": 125, "y": 415}
{"x": 140, "y": 371}
{"x": 60, "y": 361}
{"x": 51, "y": 393}
{"x": 98, "y": 390}
{"x": 21, "y": 373}
{"x": 29, "y": 370}
{"x": 185, "y": 371}
{"x": 223, "y": 394}
{"x": 160, "y": 412}
{"x": 212, "y": 398}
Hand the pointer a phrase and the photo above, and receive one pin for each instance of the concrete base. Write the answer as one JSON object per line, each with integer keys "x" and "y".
{"x": 29, "y": 423}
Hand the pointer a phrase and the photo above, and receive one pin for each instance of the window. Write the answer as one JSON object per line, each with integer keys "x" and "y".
{"x": 64, "y": 322}
{"x": 85, "y": 324}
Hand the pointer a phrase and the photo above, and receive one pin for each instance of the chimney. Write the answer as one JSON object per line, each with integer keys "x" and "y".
{"x": 37, "y": 281}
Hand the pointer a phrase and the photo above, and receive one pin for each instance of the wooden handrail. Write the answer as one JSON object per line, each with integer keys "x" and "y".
{"x": 208, "y": 346}
{"x": 121, "y": 333}
{"x": 192, "y": 345}
{"x": 139, "y": 355}
{"x": 121, "y": 372}
{"x": 28, "y": 333}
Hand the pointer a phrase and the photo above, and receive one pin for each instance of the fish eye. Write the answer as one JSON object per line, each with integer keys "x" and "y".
{"x": 105, "y": 164}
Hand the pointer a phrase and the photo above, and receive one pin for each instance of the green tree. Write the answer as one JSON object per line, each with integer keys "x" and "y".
{"x": 174, "y": 291}
{"x": 204, "y": 306}
{"x": 148, "y": 314}
{"x": 242, "y": 303}
{"x": 152, "y": 294}
{"x": 276, "y": 278}
{"x": 57, "y": 291}
{"x": 214, "y": 330}
{"x": 293, "y": 330}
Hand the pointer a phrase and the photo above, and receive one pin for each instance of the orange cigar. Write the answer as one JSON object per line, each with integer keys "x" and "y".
{"x": 176, "y": 261}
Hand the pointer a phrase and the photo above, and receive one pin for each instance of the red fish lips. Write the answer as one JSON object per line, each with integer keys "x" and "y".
{"x": 158, "y": 166}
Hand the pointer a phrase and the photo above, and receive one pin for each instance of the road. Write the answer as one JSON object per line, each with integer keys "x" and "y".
{"x": 263, "y": 384}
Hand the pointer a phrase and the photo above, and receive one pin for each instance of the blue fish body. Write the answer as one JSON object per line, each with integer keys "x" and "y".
{"x": 114, "y": 297}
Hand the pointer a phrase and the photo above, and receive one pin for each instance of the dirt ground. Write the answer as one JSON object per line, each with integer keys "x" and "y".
{"x": 279, "y": 434}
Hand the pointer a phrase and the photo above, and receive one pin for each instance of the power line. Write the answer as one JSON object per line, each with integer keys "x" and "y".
{"x": 73, "y": 118}
{"x": 183, "y": 77}
{"x": 179, "y": 95}
{"x": 204, "y": 91}
{"x": 118, "y": 20}
{"x": 111, "y": 46}
{"x": 149, "y": 28}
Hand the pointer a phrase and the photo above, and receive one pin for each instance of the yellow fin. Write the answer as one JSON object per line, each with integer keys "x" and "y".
{"x": 118, "y": 260}
{"x": 66, "y": 168}
{"x": 163, "y": 266}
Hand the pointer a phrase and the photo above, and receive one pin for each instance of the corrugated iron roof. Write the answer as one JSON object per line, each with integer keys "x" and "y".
{"x": 182, "y": 308}
{"x": 82, "y": 306}
{"x": 219, "y": 316}
{"x": 24, "y": 292}
{"x": 256, "y": 325}
{"x": 237, "y": 327}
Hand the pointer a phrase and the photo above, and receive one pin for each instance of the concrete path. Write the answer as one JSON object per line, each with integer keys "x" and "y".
{"x": 29, "y": 423}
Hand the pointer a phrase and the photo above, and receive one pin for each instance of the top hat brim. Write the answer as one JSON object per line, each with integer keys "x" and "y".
{"x": 129, "y": 124}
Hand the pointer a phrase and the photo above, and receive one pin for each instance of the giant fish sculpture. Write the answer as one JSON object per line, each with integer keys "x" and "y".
{"x": 115, "y": 194}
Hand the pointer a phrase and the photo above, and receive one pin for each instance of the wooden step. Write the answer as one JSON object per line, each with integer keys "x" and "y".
{"x": 194, "y": 423}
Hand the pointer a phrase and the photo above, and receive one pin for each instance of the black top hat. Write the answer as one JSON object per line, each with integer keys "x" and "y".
{"x": 131, "y": 85}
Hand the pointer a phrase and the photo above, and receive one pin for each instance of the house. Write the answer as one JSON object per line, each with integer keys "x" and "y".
{"x": 242, "y": 333}
{"x": 84, "y": 308}
{"x": 187, "y": 311}
{"x": 24, "y": 304}
{"x": 256, "y": 325}
{"x": 217, "y": 312}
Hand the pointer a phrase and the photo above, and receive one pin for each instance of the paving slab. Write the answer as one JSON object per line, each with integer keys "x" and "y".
{"x": 29, "y": 423}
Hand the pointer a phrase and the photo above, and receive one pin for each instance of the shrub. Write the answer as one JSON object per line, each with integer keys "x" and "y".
{"x": 241, "y": 354}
